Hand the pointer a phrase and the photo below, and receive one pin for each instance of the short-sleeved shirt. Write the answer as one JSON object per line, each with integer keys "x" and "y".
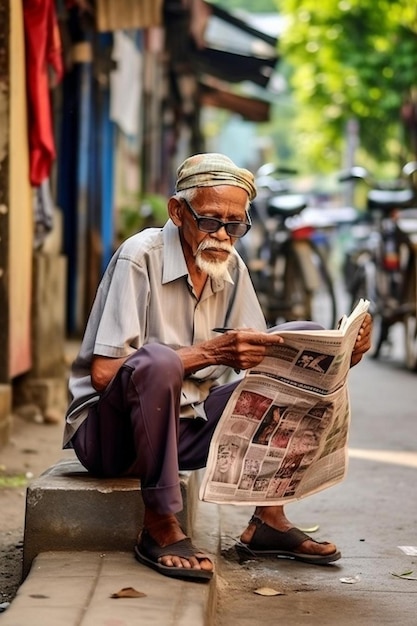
{"x": 146, "y": 295}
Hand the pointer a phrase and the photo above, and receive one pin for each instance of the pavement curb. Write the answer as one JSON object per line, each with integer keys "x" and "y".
{"x": 73, "y": 588}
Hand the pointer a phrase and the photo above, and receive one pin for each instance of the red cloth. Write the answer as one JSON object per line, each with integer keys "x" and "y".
{"x": 43, "y": 54}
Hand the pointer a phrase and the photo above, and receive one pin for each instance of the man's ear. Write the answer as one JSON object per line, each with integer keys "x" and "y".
{"x": 175, "y": 211}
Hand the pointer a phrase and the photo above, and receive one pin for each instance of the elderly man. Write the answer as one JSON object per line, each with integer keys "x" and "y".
{"x": 144, "y": 386}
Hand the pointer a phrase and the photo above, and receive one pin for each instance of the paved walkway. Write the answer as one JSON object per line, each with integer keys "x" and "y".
{"x": 369, "y": 516}
{"x": 71, "y": 589}
{"x": 75, "y": 589}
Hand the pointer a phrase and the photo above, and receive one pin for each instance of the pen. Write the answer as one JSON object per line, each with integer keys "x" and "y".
{"x": 221, "y": 330}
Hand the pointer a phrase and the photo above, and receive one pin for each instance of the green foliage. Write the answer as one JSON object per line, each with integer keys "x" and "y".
{"x": 13, "y": 481}
{"x": 251, "y": 6}
{"x": 141, "y": 212}
{"x": 350, "y": 59}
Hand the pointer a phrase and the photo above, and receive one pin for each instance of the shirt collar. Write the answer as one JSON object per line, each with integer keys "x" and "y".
{"x": 174, "y": 263}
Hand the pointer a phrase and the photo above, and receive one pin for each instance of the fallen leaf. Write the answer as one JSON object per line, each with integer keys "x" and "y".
{"x": 17, "y": 480}
{"x": 128, "y": 592}
{"x": 405, "y": 575}
{"x": 350, "y": 580}
{"x": 267, "y": 591}
{"x": 311, "y": 529}
{"x": 409, "y": 550}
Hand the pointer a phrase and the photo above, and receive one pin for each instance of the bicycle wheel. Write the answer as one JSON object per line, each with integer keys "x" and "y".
{"x": 300, "y": 287}
{"x": 260, "y": 272}
{"x": 296, "y": 297}
{"x": 363, "y": 285}
{"x": 276, "y": 305}
{"x": 410, "y": 318}
{"x": 319, "y": 296}
{"x": 410, "y": 326}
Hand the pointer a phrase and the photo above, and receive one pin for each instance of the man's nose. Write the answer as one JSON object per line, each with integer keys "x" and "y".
{"x": 221, "y": 234}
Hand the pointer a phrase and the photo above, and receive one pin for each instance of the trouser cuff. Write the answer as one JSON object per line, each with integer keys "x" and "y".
{"x": 163, "y": 500}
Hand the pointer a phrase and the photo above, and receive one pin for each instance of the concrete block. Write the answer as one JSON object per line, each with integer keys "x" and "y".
{"x": 47, "y": 394}
{"x": 69, "y": 510}
{"x": 5, "y": 429}
{"x": 48, "y": 322}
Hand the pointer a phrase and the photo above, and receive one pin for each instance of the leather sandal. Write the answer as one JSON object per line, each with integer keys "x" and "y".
{"x": 269, "y": 542}
{"x": 148, "y": 552}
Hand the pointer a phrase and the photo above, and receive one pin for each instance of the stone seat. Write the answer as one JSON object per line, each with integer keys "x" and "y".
{"x": 69, "y": 510}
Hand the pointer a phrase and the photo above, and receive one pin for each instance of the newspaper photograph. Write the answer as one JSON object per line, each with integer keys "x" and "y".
{"x": 284, "y": 432}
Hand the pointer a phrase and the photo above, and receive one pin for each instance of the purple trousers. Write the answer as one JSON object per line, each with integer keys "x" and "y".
{"x": 135, "y": 430}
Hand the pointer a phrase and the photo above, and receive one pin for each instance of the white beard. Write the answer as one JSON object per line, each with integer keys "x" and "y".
{"x": 214, "y": 269}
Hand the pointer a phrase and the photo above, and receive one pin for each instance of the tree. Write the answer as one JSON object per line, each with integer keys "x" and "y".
{"x": 353, "y": 59}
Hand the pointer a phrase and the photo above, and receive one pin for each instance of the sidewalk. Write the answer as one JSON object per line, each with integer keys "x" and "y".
{"x": 75, "y": 589}
{"x": 369, "y": 515}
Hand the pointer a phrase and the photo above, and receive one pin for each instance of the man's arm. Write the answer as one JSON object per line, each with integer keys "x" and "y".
{"x": 103, "y": 370}
{"x": 363, "y": 341}
{"x": 240, "y": 349}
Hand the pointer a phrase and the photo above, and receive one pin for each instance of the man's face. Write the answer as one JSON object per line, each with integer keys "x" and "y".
{"x": 276, "y": 416}
{"x": 307, "y": 440}
{"x": 210, "y": 252}
{"x": 226, "y": 454}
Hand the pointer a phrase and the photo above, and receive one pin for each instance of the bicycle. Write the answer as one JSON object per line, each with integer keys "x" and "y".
{"x": 286, "y": 263}
{"x": 383, "y": 266}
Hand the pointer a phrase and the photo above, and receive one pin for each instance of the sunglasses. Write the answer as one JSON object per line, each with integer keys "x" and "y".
{"x": 212, "y": 224}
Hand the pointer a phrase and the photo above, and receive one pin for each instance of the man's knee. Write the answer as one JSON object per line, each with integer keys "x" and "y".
{"x": 158, "y": 363}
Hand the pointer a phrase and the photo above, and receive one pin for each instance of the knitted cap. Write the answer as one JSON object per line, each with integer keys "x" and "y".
{"x": 210, "y": 170}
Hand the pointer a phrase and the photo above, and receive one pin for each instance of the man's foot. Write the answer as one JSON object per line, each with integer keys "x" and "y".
{"x": 163, "y": 545}
{"x": 273, "y": 535}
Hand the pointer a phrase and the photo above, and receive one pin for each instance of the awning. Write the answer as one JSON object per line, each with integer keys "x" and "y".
{"x": 214, "y": 49}
{"x": 241, "y": 24}
{"x": 232, "y": 67}
{"x": 251, "y": 109}
{"x": 207, "y": 39}
{"x": 119, "y": 14}
{"x": 229, "y": 49}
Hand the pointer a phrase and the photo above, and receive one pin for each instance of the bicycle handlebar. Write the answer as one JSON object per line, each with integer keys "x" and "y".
{"x": 386, "y": 196}
{"x": 270, "y": 169}
{"x": 358, "y": 172}
{"x": 409, "y": 169}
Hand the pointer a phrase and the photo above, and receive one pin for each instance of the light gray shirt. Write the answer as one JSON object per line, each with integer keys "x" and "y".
{"x": 145, "y": 296}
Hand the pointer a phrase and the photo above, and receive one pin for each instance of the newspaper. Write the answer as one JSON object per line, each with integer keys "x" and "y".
{"x": 283, "y": 434}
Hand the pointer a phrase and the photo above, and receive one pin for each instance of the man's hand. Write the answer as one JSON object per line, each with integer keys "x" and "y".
{"x": 240, "y": 349}
{"x": 363, "y": 341}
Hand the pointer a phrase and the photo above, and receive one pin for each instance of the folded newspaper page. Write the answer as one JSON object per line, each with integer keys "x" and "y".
{"x": 283, "y": 434}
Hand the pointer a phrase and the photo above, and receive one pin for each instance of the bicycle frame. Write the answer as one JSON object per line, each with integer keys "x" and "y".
{"x": 379, "y": 277}
{"x": 309, "y": 270}
{"x": 287, "y": 267}
{"x": 385, "y": 267}
{"x": 290, "y": 274}
{"x": 407, "y": 233}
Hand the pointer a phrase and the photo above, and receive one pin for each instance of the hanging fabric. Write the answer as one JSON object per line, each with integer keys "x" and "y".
{"x": 44, "y": 69}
